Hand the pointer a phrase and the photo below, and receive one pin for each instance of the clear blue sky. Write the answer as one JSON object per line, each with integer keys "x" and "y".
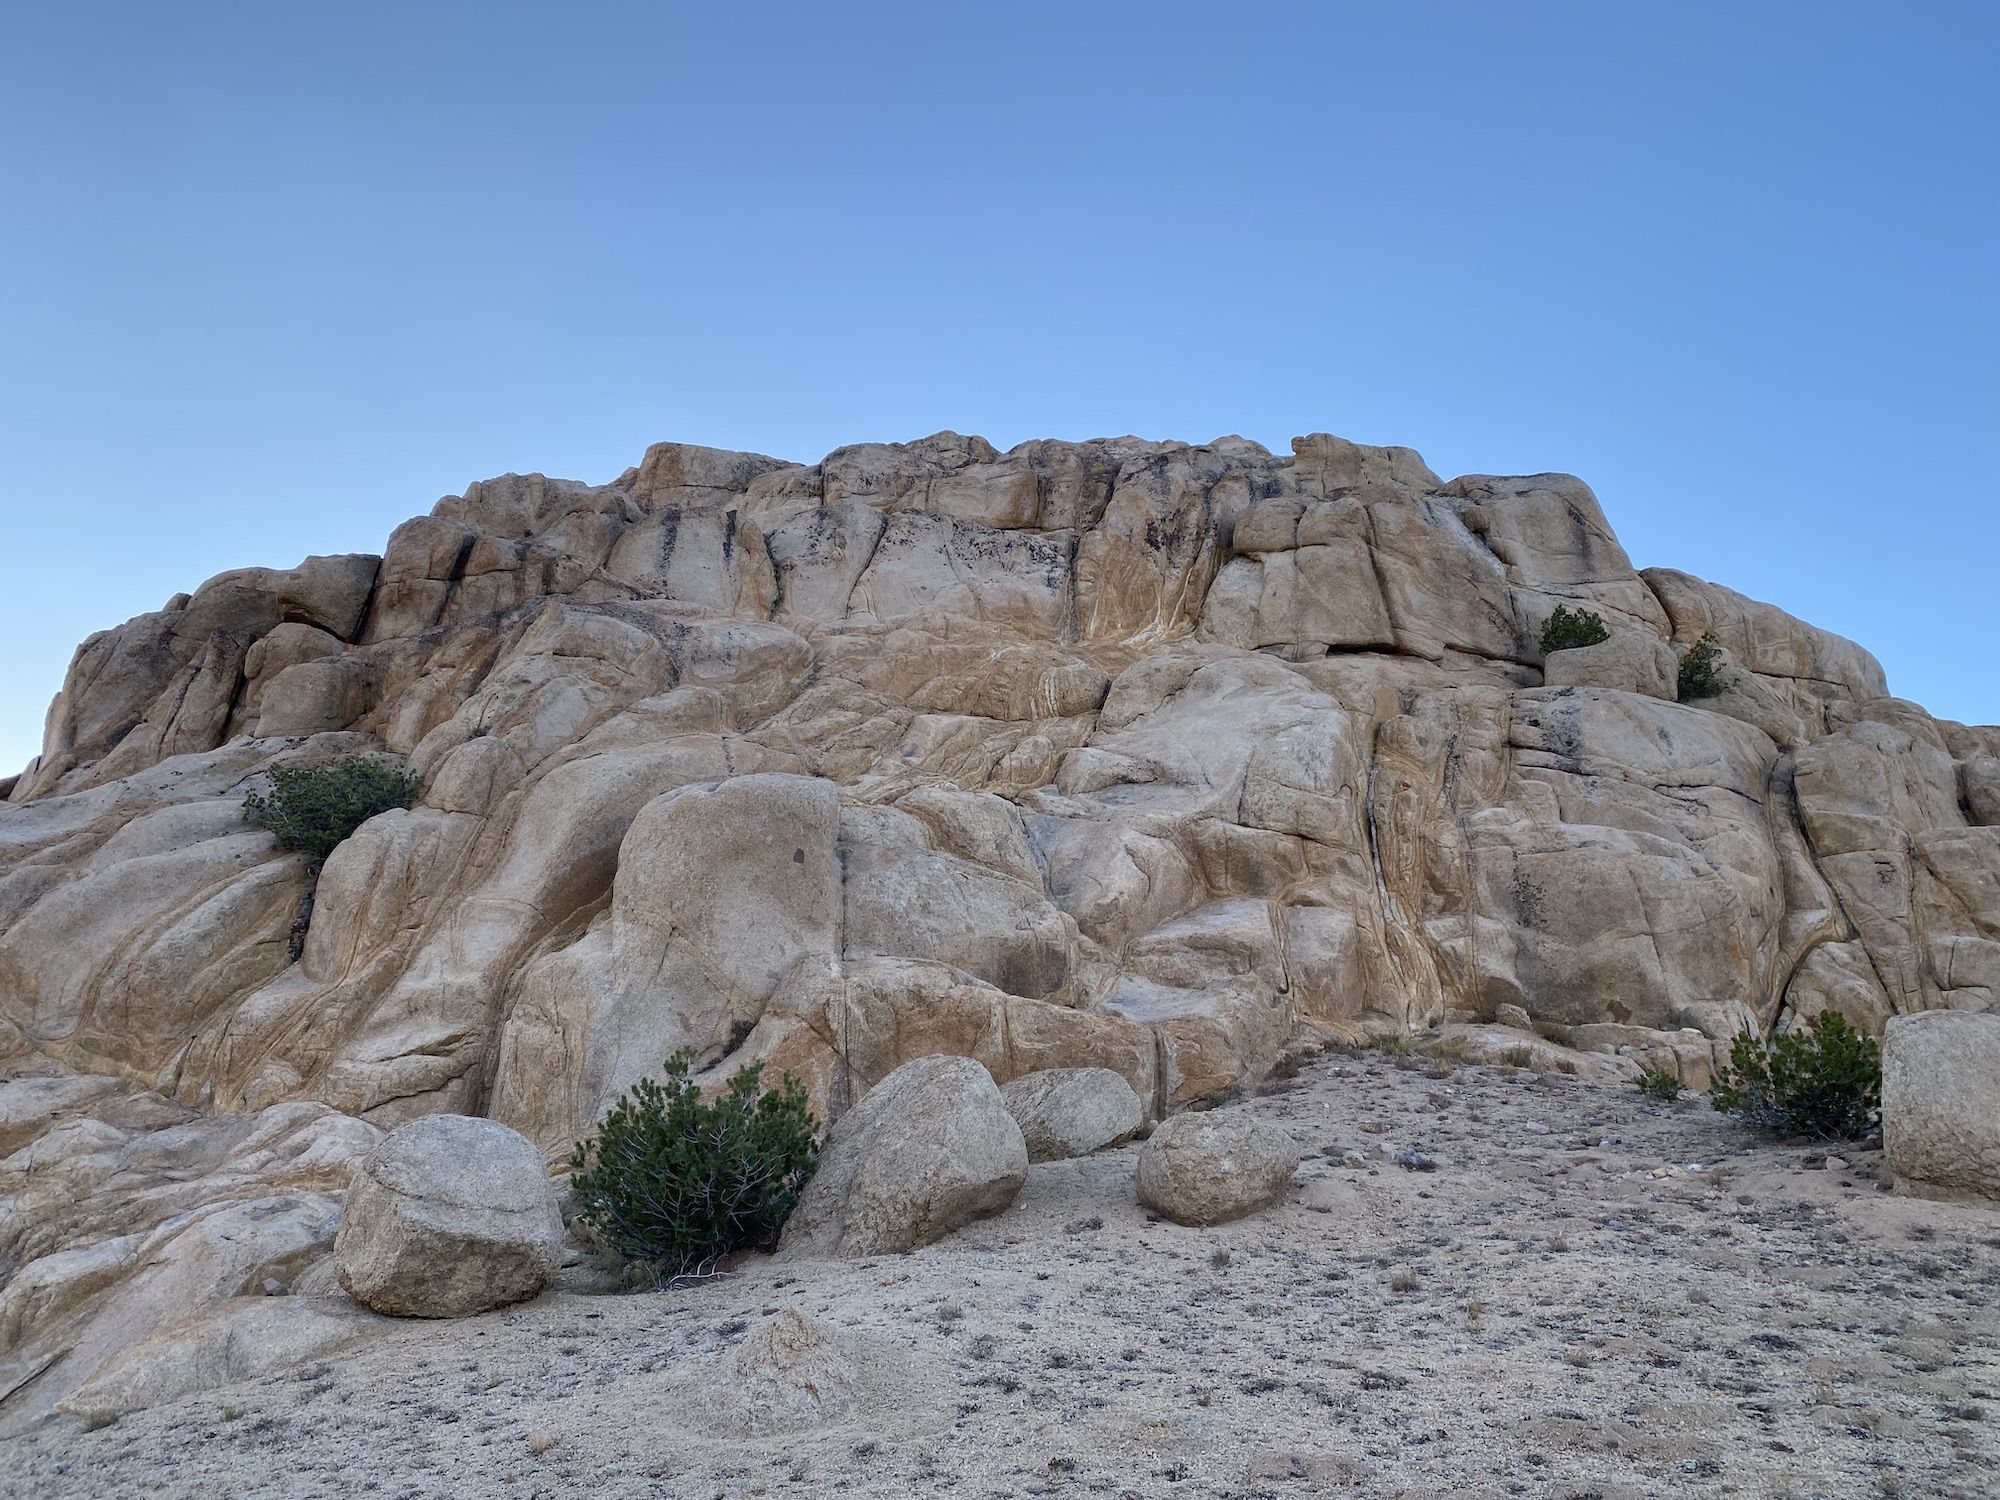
{"x": 275, "y": 277}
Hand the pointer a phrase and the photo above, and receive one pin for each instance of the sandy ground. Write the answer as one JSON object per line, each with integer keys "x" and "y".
{"x": 1586, "y": 1294}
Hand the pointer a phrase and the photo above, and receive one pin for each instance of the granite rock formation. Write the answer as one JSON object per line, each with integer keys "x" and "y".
{"x": 1170, "y": 759}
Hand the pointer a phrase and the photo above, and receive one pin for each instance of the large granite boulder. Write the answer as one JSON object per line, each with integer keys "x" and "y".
{"x": 1067, "y": 1112}
{"x": 1941, "y": 1104}
{"x": 448, "y": 1217}
{"x": 1211, "y": 1168}
{"x": 929, "y": 1149}
{"x": 1630, "y": 662}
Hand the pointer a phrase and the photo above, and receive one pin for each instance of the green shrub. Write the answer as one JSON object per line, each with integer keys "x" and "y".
{"x": 1823, "y": 1080}
{"x": 312, "y": 808}
{"x": 1661, "y": 1084}
{"x": 1567, "y": 629}
{"x": 676, "y": 1183}
{"x": 1699, "y": 678}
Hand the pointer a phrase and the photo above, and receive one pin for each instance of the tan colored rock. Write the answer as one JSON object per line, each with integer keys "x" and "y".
{"x": 1629, "y": 662}
{"x": 1941, "y": 1104}
{"x": 1210, "y": 1168}
{"x": 314, "y": 697}
{"x": 330, "y": 593}
{"x": 1065, "y": 1112}
{"x": 448, "y": 1217}
{"x": 245, "y": 1338}
{"x": 1173, "y": 759}
{"x": 930, "y": 1149}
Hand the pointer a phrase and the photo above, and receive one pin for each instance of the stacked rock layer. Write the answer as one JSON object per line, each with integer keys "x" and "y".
{"x": 1174, "y": 760}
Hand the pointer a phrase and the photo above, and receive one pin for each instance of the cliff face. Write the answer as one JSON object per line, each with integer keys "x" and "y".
{"x": 1174, "y": 759}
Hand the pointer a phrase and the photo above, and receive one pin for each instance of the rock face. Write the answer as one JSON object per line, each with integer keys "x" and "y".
{"x": 1166, "y": 758}
{"x": 1941, "y": 1104}
{"x": 241, "y": 1339}
{"x": 1066, "y": 1112}
{"x": 930, "y": 1148}
{"x": 1630, "y": 662}
{"x": 449, "y": 1216}
{"x": 1211, "y": 1168}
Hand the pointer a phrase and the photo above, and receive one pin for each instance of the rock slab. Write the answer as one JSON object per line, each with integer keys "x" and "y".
{"x": 1629, "y": 662}
{"x": 447, "y": 1217}
{"x": 1065, "y": 1112}
{"x": 1941, "y": 1104}
{"x": 1212, "y": 1168}
{"x": 930, "y": 1148}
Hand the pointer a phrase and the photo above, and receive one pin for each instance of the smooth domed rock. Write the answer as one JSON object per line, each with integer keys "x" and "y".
{"x": 447, "y": 1217}
{"x": 930, "y": 1148}
{"x": 1067, "y": 1112}
{"x": 1211, "y": 1168}
{"x": 1941, "y": 1104}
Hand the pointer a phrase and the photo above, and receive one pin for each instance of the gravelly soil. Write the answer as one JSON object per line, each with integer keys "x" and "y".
{"x": 1587, "y": 1294}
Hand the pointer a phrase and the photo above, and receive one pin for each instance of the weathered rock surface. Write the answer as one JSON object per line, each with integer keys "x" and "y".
{"x": 1941, "y": 1104}
{"x": 1172, "y": 759}
{"x": 929, "y": 1149}
{"x": 1209, "y": 1168}
{"x": 1065, "y": 1112}
{"x": 1630, "y": 662}
{"x": 792, "y": 1371}
{"x": 449, "y": 1216}
{"x": 241, "y": 1339}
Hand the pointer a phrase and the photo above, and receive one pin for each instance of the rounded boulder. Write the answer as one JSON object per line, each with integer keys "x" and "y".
{"x": 1065, "y": 1112}
{"x": 449, "y": 1216}
{"x": 1211, "y": 1168}
{"x": 928, "y": 1149}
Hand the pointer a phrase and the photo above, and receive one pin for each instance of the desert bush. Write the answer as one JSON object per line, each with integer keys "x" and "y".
{"x": 1567, "y": 629}
{"x": 312, "y": 808}
{"x": 1660, "y": 1083}
{"x": 675, "y": 1182}
{"x": 1699, "y": 677}
{"x": 1824, "y": 1079}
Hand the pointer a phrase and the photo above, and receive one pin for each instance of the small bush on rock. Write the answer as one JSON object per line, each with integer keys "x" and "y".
{"x": 1699, "y": 677}
{"x": 1823, "y": 1080}
{"x": 1659, "y": 1083}
{"x": 1568, "y": 629}
{"x": 312, "y": 808}
{"x": 675, "y": 1182}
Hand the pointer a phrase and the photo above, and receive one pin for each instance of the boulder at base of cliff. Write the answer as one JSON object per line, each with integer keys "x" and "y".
{"x": 447, "y": 1217}
{"x": 1065, "y": 1112}
{"x": 928, "y": 1149}
{"x": 1941, "y": 1104}
{"x": 1211, "y": 1168}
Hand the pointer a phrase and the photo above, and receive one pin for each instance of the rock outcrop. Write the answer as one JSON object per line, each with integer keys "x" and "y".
{"x": 1164, "y": 758}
